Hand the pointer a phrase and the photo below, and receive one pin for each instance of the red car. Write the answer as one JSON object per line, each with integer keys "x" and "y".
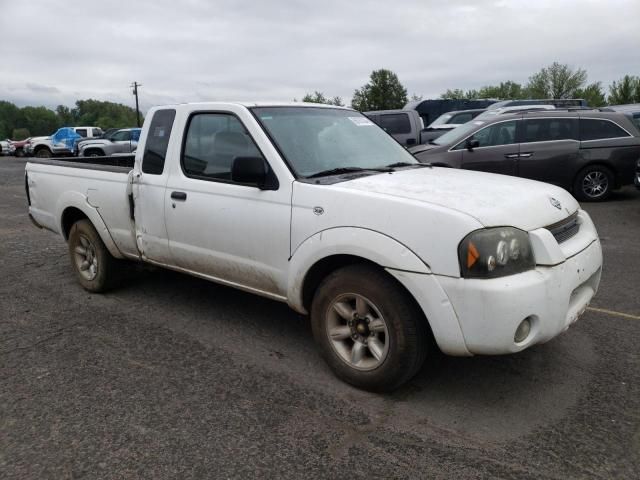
{"x": 19, "y": 146}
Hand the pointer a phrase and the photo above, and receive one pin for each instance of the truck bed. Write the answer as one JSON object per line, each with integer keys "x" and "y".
{"x": 118, "y": 164}
{"x": 97, "y": 186}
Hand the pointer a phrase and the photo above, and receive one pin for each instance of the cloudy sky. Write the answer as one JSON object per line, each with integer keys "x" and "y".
{"x": 195, "y": 50}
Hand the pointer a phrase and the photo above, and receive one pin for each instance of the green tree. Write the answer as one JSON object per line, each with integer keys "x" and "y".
{"x": 625, "y": 90}
{"x": 10, "y": 118}
{"x": 455, "y": 94}
{"x": 504, "y": 91}
{"x": 40, "y": 120}
{"x": 20, "y": 133}
{"x": 556, "y": 81}
{"x": 103, "y": 114}
{"x": 593, "y": 94}
{"x": 383, "y": 92}
{"x": 318, "y": 97}
{"x": 65, "y": 115}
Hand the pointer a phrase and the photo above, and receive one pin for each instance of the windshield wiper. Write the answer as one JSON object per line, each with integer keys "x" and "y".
{"x": 407, "y": 164}
{"x": 340, "y": 170}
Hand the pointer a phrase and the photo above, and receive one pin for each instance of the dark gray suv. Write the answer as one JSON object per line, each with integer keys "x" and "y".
{"x": 588, "y": 152}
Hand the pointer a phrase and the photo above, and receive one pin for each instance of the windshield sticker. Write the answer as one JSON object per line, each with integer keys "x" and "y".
{"x": 361, "y": 121}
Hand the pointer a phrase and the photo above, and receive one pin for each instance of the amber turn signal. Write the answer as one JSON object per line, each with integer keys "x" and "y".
{"x": 472, "y": 255}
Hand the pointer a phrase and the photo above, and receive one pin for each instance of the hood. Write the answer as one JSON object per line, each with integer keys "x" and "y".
{"x": 492, "y": 199}
{"x": 423, "y": 148}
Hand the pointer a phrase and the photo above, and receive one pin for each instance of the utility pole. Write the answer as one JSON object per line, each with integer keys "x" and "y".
{"x": 135, "y": 86}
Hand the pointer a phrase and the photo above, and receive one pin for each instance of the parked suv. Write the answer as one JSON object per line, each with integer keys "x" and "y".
{"x": 588, "y": 152}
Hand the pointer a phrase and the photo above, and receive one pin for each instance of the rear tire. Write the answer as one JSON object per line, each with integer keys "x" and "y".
{"x": 593, "y": 184}
{"x": 94, "y": 153}
{"x": 43, "y": 153}
{"x": 95, "y": 268}
{"x": 369, "y": 330}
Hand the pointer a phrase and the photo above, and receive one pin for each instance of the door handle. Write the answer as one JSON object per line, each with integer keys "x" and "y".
{"x": 526, "y": 155}
{"x": 511, "y": 155}
{"x": 182, "y": 196}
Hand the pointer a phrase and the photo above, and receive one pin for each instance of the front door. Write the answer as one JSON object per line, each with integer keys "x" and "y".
{"x": 497, "y": 150}
{"x": 231, "y": 232}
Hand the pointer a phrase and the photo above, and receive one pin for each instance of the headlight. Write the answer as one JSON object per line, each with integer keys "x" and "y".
{"x": 495, "y": 252}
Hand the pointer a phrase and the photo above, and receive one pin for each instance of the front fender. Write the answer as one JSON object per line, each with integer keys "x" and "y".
{"x": 360, "y": 242}
{"x": 77, "y": 200}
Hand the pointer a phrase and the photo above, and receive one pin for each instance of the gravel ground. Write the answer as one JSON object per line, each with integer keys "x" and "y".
{"x": 173, "y": 377}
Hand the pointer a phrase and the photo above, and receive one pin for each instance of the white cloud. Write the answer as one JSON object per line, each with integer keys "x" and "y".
{"x": 225, "y": 49}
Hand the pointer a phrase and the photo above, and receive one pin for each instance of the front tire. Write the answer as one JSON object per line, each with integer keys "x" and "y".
{"x": 43, "y": 153}
{"x": 95, "y": 268}
{"x": 369, "y": 330}
{"x": 593, "y": 184}
{"x": 94, "y": 153}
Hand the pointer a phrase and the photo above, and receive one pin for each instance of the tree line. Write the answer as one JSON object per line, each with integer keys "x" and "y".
{"x": 384, "y": 91}
{"x": 19, "y": 123}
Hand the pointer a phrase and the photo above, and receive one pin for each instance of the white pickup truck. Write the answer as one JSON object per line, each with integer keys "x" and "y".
{"x": 319, "y": 208}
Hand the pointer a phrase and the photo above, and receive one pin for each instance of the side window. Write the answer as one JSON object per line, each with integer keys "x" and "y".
{"x": 155, "y": 148}
{"x": 595, "y": 129}
{"x": 395, "y": 123}
{"x": 81, "y": 131}
{"x": 212, "y": 142}
{"x": 121, "y": 136}
{"x": 503, "y": 133}
{"x": 636, "y": 120}
{"x": 461, "y": 118}
{"x": 548, "y": 129}
{"x": 96, "y": 132}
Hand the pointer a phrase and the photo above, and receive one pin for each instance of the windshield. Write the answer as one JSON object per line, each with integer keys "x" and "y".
{"x": 441, "y": 120}
{"x": 454, "y": 136}
{"x": 315, "y": 140}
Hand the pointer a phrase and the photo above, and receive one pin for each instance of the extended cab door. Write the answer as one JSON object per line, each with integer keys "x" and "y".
{"x": 549, "y": 149}
{"x": 497, "y": 149}
{"x": 232, "y": 232}
{"x": 149, "y": 186}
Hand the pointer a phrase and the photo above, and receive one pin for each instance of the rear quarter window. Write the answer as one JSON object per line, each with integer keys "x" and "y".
{"x": 395, "y": 123}
{"x": 599, "y": 129}
{"x": 155, "y": 149}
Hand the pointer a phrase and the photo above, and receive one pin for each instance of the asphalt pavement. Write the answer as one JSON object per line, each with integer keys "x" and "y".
{"x": 170, "y": 376}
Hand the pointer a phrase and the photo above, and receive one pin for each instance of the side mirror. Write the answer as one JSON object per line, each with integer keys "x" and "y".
{"x": 471, "y": 144}
{"x": 252, "y": 171}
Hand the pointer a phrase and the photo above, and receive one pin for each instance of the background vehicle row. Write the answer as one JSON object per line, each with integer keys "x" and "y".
{"x": 588, "y": 152}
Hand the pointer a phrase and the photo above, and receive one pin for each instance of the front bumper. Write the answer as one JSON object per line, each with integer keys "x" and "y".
{"x": 552, "y": 298}
{"x": 481, "y": 316}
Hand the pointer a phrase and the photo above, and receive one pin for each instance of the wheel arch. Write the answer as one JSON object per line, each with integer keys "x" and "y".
{"x": 88, "y": 150}
{"x": 330, "y": 249}
{"x": 597, "y": 163}
{"x": 73, "y": 209}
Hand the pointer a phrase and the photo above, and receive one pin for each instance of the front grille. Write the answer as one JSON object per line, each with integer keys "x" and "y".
{"x": 565, "y": 229}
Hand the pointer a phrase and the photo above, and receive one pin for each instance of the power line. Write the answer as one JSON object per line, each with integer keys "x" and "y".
{"x": 135, "y": 86}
